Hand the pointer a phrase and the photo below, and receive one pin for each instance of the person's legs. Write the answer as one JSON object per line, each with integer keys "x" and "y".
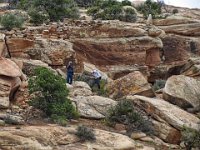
{"x": 98, "y": 82}
{"x": 70, "y": 79}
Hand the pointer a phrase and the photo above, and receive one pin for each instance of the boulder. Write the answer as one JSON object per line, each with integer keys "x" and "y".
{"x": 191, "y": 68}
{"x": 182, "y": 91}
{"x": 8, "y": 87}
{"x": 131, "y": 84}
{"x": 9, "y": 68}
{"x": 80, "y": 88}
{"x": 93, "y": 106}
{"x": 169, "y": 113}
{"x": 53, "y": 137}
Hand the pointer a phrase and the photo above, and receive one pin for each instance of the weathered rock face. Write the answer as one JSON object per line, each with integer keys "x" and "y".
{"x": 18, "y": 47}
{"x": 191, "y": 68}
{"x": 165, "y": 111}
{"x": 116, "y": 51}
{"x": 175, "y": 48}
{"x": 131, "y": 84}
{"x": 43, "y": 138}
{"x": 192, "y": 29}
{"x": 183, "y": 91}
{"x": 173, "y": 20}
{"x": 9, "y": 81}
{"x": 2, "y": 44}
{"x": 93, "y": 106}
{"x": 53, "y": 52}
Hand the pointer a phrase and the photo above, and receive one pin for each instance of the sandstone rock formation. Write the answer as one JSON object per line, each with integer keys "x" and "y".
{"x": 168, "y": 119}
{"x": 131, "y": 84}
{"x": 183, "y": 91}
{"x": 43, "y": 138}
{"x": 93, "y": 106}
{"x": 165, "y": 111}
{"x": 9, "y": 81}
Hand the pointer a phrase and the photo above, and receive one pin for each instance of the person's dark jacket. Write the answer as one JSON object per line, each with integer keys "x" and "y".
{"x": 70, "y": 70}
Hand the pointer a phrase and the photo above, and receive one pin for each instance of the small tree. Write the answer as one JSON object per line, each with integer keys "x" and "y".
{"x": 175, "y": 11}
{"x": 111, "y": 10}
{"x": 50, "y": 95}
{"x": 56, "y": 9}
{"x": 10, "y": 21}
{"x": 150, "y": 7}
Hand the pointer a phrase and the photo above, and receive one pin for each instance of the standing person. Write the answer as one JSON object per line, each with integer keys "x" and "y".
{"x": 70, "y": 72}
{"x": 97, "y": 77}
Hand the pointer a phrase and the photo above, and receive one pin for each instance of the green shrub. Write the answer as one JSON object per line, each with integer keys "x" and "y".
{"x": 50, "y": 94}
{"x": 111, "y": 10}
{"x": 191, "y": 138}
{"x": 150, "y": 7}
{"x": 55, "y": 9}
{"x": 85, "y": 133}
{"x": 10, "y": 21}
{"x": 124, "y": 113}
{"x": 38, "y": 17}
{"x": 175, "y": 11}
{"x": 126, "y": 3}
{"x": 85, "y": 3}
{"x": 159, "y": 84}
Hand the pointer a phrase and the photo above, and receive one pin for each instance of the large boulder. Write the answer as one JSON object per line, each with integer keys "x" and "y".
{"x": 131, "y": 84}
{"x": 80, "y": 88}
{"x": 164, "y": 111}
{"x": 55, "y": 137}
{"x": 9, "y": 68}
{"x": 93, "y": 106}
{"x": 183, "y": 91}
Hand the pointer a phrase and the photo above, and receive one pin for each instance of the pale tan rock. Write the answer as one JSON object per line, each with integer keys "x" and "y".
{"x": 93, "y": 106}
{"x": 137, "y": 135}
{"x": 171, "y": 114}
{"x": 131, "y": 84}
{"x": 183, "y": 91}
{"x": 53, "y": 137}
{"x": 9, "y": 68}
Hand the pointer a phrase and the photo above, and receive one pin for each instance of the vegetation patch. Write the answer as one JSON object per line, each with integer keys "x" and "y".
{"x": 150, "y": 7}
{"x": 41, "y": 11}
{"x": 85, "y": 133}
{"x": 10, "y": 21}
{"x": 125, "y": 113}
{"x": 159, "y": 84}
{"x": 191, "y": 138}
{"x": 49, "y": 94}
{"x": 111, "y": 10}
